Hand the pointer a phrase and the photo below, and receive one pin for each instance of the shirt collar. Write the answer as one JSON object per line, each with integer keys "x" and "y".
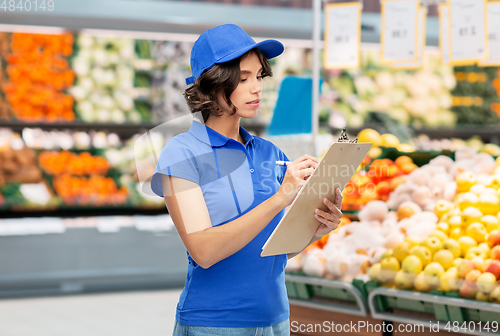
{"x": 212, "y": 138}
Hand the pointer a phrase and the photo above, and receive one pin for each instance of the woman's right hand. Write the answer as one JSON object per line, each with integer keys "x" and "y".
{"x": 297, "y": 172}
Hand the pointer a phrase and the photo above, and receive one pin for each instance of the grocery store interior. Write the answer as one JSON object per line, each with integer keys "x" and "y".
{"x": 91, "y": 91}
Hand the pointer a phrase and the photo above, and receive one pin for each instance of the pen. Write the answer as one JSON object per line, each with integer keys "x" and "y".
{"x": 282, "y": 163}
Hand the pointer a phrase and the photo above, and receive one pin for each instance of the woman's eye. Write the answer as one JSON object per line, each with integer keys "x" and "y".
{"x": 243, "y": 79}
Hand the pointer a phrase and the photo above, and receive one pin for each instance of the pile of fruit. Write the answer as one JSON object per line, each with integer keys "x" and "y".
{"x": 56, "y": 163}
{"x": 18, "y": 166}
{"x": 462, "y": 254}
{"x": 382, "y": 140}
{"x": 38, "y": 73}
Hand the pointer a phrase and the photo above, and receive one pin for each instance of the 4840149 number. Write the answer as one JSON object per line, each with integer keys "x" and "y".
{"x": 27, "y": 5}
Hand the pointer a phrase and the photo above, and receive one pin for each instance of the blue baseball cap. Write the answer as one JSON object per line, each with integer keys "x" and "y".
{"x": 225, "y": 43}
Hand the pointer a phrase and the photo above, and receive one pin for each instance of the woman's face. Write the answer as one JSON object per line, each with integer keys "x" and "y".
{"x": 246, "y": 96}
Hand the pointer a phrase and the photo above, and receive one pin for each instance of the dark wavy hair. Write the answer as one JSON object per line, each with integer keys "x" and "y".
{"x": 222, "y": 78}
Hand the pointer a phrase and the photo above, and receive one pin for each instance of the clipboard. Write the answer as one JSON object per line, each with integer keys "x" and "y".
{"x": 298, "y": 225}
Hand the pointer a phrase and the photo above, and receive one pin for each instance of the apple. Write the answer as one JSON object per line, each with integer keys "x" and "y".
{"x": 456, "y": 233}
{"x": 389, "y": 266}
{"x": 442, "y": 207}
{"x": 434, "y": 244}
{"x": 466, "y": 242}
{"x": 477, "y": 189}
{"x": 404, "y": 280}
{"x": 480, "y": 296}
{"x": 421, "y": 284}
{"x": 449, "y": 280}
{"x": 467, "y": 199}
{"x": 490, "y": 222}
{"x": 477, "y": 231}
{"x": 488, "y": 203}
{"x": 432, "y": 273}
{"x": 457, "y": 261}
{"x": 464, "y": 267}
{"x": 413, "y": 240}
{"x": 473, "y": 275}
{"x": 375, "y": 273}
{"x": 439, "y": 234}
{"x": 465, "y": 181}
{"x": 444, "y": 257}
{"x": 387, "y": 253}
{"x": 475, "y": 252}
{"x": 485, "y": 247}
{"x": 493, "y": 238}
{"x": 495, "y": 295}
{"x": 443, "y": 226}
{"x": 471, "y": 215}
{"x": 453, "y": 246}
{"x": 401, "y": 251}
{"x": 455, "y": 221}
{"x": 412, "y": 264}
{"x": 486, "y": 282}
{"x": 479, "y": 263}
{"x": 424, "y": 254}
{"x": 468, "y": 290}
{"x": 493, "y": 267}
{"x": 495, "y": 252}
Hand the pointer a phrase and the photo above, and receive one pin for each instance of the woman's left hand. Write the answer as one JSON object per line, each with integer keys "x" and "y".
{"x": 331, "y": 219}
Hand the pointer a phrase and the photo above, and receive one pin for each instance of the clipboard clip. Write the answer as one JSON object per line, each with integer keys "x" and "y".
{"x": 344, "y": 138}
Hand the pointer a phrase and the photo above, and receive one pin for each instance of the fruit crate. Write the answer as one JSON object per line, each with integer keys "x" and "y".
{"x": 331, "y": 295}
{"x": 420, "y": 158}
{"x": 422, "y": 308}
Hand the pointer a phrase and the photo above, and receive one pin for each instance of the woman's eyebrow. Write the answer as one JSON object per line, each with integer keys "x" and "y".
{"x": 249, "y": 72}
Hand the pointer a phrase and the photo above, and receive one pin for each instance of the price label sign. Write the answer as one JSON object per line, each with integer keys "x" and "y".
{"x": 493, "y": 59}
{"x": 399, "y": 31}
{"x": 444, "y": 33}
{"x": 422, "y": 16}
{"x": 342, "y": 35}
{"x": 468, "y": 33}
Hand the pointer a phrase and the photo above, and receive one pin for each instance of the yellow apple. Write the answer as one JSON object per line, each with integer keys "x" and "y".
{"x": 495, "y": 294}
{"x": 443, "y": 226}
{"x": 389, "y": 266}
{"x": 432, "y": 273}
{"x": 466, "y": 242}
{"x": 471, "y": 215}
{"x": 401, "y": 251}
{"x": 455, "y": 221}
{"x": 404, "y": 280}
{"x": 490, "y": 222}
{"x": 485, "y": 247}
{"x": 457, "y": 233}
{"x": 479, "y": 262}
{"x": 477, "y": 231}
{"x": 465, "y": 181}
{"x": 466, "y": 200}
{"x": 449, "y": 280}
{"x": 489, "y": 203}
{"x": 451, "y": 213}
{"x": 413, "y": 240}
{"x": 375, "y": 273}
{"x": 483, "y": 297}
{"x": 475, "y": 251}
{"x": 421, "y": 284}
{"x": 442, "y": 207}
{"x": 434, "y": 244}
{"x": 464, "y": 267}
{"x": 477, "y": 189}
{"x": 439, "y": 234}
{"x": 486, "y": 282}
{"x": 453, "y": 246}
{"x": 387, "y": 253}
{"x": 412, "y": 264}
{"x": 457, "y": 261}
{"x": 495, "y": 183}
{"x": 424, "y": 254}
{"x": 444, "y": 257}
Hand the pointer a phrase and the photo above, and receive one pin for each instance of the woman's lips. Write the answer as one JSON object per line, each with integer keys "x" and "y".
{"x": 254, "y": 103}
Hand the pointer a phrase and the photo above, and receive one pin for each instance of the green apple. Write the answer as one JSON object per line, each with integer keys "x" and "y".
{"x": 466, "y": 242}
{"x": 490, "y": 222}
{"x": 439, "y": 234}
{"x": 421, "y": 283}
{"x": 444, "y": 257}
{"x": 475, "y": 252}
{"x": 471, "y": 215}
{"x": 424, "y": 254}
{"x": 432, "y": 273}
{"x": 375, "y": 272}
{"x": 404, "y": 280}
{"x": 456, "y": 233}
{"x": 477, "y": 231}
{"x": 401, "y": 251}
{"x": 389, "y": 266}
{"x": 412, "y": 264}
{"x": 453, "y": 246}
{"x": 434, "y": 244}
{"x": 486, "y": 282}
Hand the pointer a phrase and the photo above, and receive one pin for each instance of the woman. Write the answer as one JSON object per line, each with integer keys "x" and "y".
{"x": 226, "y": 195}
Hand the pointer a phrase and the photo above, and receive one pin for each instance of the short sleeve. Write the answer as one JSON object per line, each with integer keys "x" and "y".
{"x": 281, "y": 157}
{"x": 176, "y": 159}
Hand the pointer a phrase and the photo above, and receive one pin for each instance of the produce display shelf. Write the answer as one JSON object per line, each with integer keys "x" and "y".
{"x": 400, "y": 306}
{"x": 348, "y": 298}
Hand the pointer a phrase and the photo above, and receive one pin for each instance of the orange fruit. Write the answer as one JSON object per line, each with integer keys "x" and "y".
{"x": 370, "y": 135}
{"x": 397, "y": 181}
{"x": 407, "y": 168}
{"x": 383, "y": 188}
{"x": 403, "y": 160}
{"x": 405, "y": 211}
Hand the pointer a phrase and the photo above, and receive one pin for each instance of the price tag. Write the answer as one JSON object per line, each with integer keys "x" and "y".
{"x": 468, "y": 34}
{"x": 422, "y": 16}
{"x": 342, "y": 35}
{"x": 493, "y": 59}
{"x": 444, "y": 33}
{"x": 399, "y": 31}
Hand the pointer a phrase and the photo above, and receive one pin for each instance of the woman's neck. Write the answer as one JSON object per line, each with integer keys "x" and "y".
{"x": 229, "y": 126}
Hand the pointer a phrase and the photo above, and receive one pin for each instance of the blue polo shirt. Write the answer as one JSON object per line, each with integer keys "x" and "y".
{"x": 244, "y": 289}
